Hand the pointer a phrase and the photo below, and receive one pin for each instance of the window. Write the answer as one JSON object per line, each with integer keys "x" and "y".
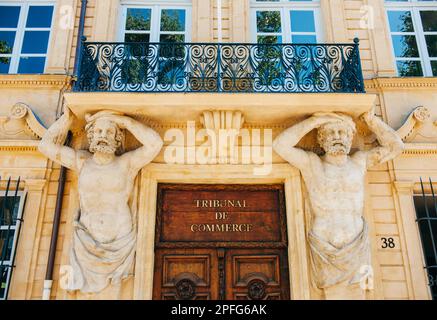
{"x": 426, "y": 211}
{"x": 283, "y": 21}
{"x": 24, "y": 36}
{"x": 413, "y": 28}
{"x": 11, "y": 210}
{"x": 155, "y": 22}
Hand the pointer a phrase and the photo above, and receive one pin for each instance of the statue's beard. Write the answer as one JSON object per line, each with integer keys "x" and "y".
{"x": 103, "y": 146}
{"x": 336, "y": 148}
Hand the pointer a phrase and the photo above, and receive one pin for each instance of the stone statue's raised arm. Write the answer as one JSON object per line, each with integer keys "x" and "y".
{"x": 149, "y": 138}
{"x": 285, "y": 143}
{"x": 51, "y": 144}
{"x": 391, "y": 144}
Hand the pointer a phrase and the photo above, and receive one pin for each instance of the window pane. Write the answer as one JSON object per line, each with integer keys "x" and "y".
{"x": 303, "y": 39}
{"x": 400, "y": 21}
{"x": 429, "y": 20}
{"x": 4, "y": 273}
{"x": 7, "y": 39}
{"x": 4, "y": 64}
{"x": 39, "y": 17}
{"x": 405, "y": 46}
{"x": 269, "y": 39}
{"x": 137, "y": 37}
{"x": 31, "y": 65}
{"x": 409, "y": 68}
{"x": 10, "y": 213}
{"x": 431, "y": 44}
{"x": 172, "y": 51}
{"x": 6, "y": 242}
{"x": 173, "y": 20}
{"x": 138, "y": 19}
{"x": 434, "y": 68}
{"x": 171, "y": 71}
{"x": 9, "y": 16}
{"x": 172, "y": 38}
{"x": 268, "y": 21}
{"x": 35, "y": 42}
{"x": 302, "y": 21}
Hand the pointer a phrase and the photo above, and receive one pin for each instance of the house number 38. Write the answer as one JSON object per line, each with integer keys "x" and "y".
{"x": 388, "y": 243}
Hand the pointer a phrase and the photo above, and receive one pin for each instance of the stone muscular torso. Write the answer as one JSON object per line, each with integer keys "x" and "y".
{"x": 104, "y": 192}
{"x": 336, "y": 196}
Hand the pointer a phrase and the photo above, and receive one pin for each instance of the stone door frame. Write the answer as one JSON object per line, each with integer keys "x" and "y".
{"x": 153, "y": 174}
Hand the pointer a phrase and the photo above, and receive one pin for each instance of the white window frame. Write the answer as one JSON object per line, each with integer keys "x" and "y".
{"x": 156, "y": 7}
{"x": 414, "y": 6}
{"x": 22, "y": 196}
{"x": 285, "y": 6}
{"x": 21, "y": 29}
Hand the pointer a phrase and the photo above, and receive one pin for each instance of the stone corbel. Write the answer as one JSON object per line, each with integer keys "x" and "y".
{"x": 21, "y": 124}
{"x": 225, "y": 125}
{"x": 219, "y": 119}
{"x": 419, "y": 127}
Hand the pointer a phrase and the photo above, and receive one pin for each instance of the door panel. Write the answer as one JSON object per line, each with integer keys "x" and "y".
{"x": 230, "y": 274}
{"x": 257, "y": 275}
{"x": 185, "y": 274}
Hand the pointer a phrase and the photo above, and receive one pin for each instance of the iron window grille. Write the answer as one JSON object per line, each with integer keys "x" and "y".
{"x": 11, "y": 217}
{"x": 426, "y": 211}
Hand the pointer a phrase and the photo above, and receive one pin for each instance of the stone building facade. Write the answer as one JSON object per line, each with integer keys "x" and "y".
{"x": 38, "y": 81}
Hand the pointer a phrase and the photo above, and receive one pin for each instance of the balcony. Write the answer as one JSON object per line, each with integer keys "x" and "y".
{"x": 217, "y": 68}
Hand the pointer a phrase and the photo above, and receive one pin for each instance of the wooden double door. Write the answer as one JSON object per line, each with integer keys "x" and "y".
{"x": 221, "y": 242}
{"x": 221, "y": 274}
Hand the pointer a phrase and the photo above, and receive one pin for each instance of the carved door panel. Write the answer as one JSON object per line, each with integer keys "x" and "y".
{"x": 186, "y": 274}
{"x": 217, "y": 274}
{"x": 257, "y": 274}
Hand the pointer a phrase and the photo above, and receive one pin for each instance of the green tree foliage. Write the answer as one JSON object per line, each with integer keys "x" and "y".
{"x": 4, "y": 48}
{"x": 136, "y": 69}
{"x": 409, "y": 48}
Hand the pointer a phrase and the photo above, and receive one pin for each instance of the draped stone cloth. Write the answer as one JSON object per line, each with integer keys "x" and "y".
{"x": 332, "y": 265}
{"x": 95, "y": 265}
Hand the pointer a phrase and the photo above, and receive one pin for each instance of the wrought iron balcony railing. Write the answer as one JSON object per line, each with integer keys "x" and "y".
{"x": 225, "y": 67}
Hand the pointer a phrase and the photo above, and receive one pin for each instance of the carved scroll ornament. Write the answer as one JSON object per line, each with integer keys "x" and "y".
{"x": 21, "y": 124}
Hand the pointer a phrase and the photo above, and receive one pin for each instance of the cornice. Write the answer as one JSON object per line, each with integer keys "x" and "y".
{"x": 401, "y": 83}
{"x": 35, "y": 81}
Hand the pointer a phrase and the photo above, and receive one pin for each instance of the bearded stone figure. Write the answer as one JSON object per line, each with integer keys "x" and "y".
{"x": 104, "y": 238}
{"x": 338, "y": 236}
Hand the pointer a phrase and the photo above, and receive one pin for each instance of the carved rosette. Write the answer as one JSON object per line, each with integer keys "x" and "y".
{"x": 256, "y": 289}
{"x": 18, "y": 111}
{"x": 185, "y": 289}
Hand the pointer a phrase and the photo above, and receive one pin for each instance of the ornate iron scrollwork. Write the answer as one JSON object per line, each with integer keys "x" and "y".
{"x": 219, "y": 67}
{"x": 256, "y": 289}
{"x": 185, "y": 289}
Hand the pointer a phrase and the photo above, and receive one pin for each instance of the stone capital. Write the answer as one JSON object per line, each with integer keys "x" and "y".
{"x": 404, "y": 187}
{"x": 34, "y": 184}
